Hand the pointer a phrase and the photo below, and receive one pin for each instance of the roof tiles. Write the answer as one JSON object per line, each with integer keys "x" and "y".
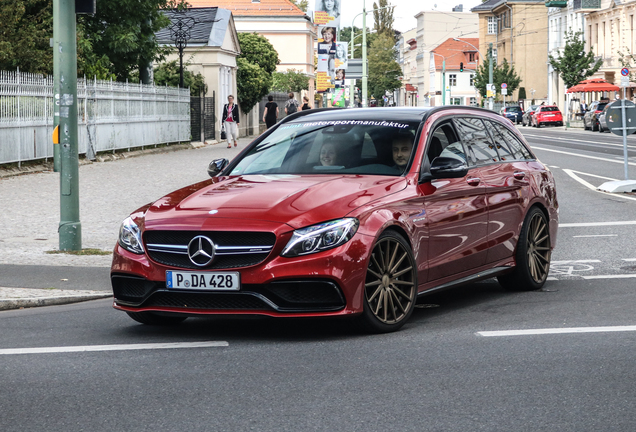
{"x": 455, "y": 51}
{"x": 252, "y": 8}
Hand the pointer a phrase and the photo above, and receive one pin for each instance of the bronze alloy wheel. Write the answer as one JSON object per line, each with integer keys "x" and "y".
{"x": 391, "y": 284}
{"x": 538, "y": 239}
{"x": 532, "y": 256}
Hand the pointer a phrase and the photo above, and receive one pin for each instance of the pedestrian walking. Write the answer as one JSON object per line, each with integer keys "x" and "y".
{"x": 306, "y": 105}
{"x": 270, "y": 116}
{"x": 231, "y": 121}
{"x": 291, "y": 106}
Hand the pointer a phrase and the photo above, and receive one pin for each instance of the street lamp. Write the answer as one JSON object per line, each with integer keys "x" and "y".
{"x": 364, "y": 46}
{"x": 443, "y": 76}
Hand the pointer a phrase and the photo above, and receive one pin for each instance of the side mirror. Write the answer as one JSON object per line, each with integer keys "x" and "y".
{"x": 216, "y": 166}
{"x": 446, "y": 167}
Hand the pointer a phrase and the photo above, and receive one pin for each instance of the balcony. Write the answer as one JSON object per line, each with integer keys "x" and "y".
{"x": 556, "y": 3}
{"x": 585, "y": 6}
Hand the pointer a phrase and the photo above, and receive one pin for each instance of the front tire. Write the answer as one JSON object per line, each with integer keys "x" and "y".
{"x": 390, "y": 289}
{"x": 151, "y": 318}
{"x": 532, "y": 256}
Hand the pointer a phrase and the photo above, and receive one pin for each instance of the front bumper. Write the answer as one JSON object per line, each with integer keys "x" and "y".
{"x": 322, "y": 284}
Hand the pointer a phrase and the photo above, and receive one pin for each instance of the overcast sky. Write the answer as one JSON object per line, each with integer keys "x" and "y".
{"x": 404, "y": 14}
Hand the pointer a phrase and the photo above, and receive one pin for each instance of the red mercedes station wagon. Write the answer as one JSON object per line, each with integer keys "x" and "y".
{"x": 354, "y": 212}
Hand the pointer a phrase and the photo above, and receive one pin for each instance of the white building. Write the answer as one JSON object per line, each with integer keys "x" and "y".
{"x": 433, "y": 28}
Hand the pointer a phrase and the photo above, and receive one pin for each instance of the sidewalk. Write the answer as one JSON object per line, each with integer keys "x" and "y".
{"x": 109, "y": 192}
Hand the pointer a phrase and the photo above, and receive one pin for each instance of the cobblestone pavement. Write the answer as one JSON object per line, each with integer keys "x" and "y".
{"x": 109, "y": 191}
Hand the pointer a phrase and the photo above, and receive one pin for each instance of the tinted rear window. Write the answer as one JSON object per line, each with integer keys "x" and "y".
{"x": 545, "y": 109}
{"x": 513, "y": 109}
{"x": 601, "y": 106}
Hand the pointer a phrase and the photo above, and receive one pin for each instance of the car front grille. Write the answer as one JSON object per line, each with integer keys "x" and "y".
{"x": 234, "y": 249}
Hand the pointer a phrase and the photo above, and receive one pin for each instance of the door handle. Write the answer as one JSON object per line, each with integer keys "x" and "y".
{"x": 473, "y": 181}
{"x": 519, "y": 175}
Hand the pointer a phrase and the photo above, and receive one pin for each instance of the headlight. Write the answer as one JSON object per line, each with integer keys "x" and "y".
{"x": 317, "y": 238}
{"x": 130, "y": 236}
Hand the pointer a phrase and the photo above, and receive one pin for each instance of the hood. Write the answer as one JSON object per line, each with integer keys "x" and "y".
{"x": 297, "y": 201}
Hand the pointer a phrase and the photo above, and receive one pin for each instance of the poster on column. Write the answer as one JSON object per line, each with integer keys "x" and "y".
{"x": 341, "y": 60}
{"x": 327, "y": 40}
{"x": 327, "y": 13}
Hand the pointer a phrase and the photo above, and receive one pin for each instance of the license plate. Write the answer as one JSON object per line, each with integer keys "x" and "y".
{"x": 550, "y": 115}
{"x": 209, "y": 281}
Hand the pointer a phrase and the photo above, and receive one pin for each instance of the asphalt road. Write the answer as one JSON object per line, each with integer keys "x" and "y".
{"x": 439, "y": 373}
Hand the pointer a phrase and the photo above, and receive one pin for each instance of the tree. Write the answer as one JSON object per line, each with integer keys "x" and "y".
{"x": 384, "y": 70}
{"x": 575, "y": 65}
{"x": 302, "y": 4}
{"x": 256, "y": 64}
{"x": 501, "y": 73}
{"x": 168, "y": 74}
{"x": 290, "y": 80}
{"x": 505, "y": 73}
{"x": 626, "y": 59}
{"x": 27, "y": 26}
{"x": 383, "y": 19}
{"x": 345, "y": 36}
{"x": 121, "y": 35}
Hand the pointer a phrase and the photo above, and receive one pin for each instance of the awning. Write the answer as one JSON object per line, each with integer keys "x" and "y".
{"x": 410, "y": 88}
{"x": 593, "y": 85}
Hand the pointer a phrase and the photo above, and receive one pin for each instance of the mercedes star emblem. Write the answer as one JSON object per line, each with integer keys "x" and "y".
{"x": 201, "y": 251}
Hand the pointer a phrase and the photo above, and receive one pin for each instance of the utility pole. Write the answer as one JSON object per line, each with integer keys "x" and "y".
{"x": 364, "y": 54}
{"x": 490, "y": 83}
{"x": 56, "y": 85}
{"x": 65, "y": 46}
{"x": 443, "y": 80}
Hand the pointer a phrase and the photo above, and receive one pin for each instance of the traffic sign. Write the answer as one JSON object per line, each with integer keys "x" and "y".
{"x": 624, "y": 81}
{"x": 614, "y": 118}
{"x": 504, "y": 92}
{"x": 504, "y": 85}
{"x": 624, "y": 71}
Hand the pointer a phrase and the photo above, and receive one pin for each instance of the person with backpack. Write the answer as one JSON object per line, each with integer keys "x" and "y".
{"x": 292, "y": 104}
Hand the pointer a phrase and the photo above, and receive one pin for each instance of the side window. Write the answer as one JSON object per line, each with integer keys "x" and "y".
{"x": 443, "y": 142}
{"x": 479, "y": 146}
{"x": 502, "y": 148}
{"x": 517, "y": 149}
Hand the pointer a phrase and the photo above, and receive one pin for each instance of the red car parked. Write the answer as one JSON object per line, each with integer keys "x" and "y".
{"x": 344, "y": 213}
{"x": 547, "y": 115}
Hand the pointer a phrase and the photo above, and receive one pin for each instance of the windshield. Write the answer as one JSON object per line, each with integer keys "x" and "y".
{"x": 513, "y": 109}
{"x": 333, "y": 147}
{"x": 544, "y": 109}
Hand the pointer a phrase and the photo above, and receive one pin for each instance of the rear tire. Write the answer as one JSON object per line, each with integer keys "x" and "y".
{"x": 532, "y": 256}
{"x": 151, "y": 318}
{"x": 390, "y": 289}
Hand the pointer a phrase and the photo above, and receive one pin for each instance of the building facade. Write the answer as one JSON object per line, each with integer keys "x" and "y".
{"x": 518, "y": 32}
{"x": 211, "y": 51}
{"x": 452, "y": 72}
{"x": 407, "y": 95}
{"x": 433, "y": 28}
{"x": 287, "y": 28}
{"x": 609, "y": 29}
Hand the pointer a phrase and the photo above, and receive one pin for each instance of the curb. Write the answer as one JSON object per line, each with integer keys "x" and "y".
{"x": 10, "y": 304}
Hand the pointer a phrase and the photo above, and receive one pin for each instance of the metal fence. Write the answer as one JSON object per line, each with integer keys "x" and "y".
{"x": 111, "y": 116}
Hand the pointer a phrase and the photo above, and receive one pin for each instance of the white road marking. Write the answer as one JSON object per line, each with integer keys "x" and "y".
{"x": 557, "y": 331}
{"x": 126, "y": 347}
{"x": 577, "y": 141}
{"x": 574, "y": 261}
{"x": 615, "y": 276}
{"x": 595, "y": 224}
{"x": 583, "y": 156}
{"x": 596, "y": 235}
{"x": 594, "y": 188}
{"x": 629, "y": 259}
